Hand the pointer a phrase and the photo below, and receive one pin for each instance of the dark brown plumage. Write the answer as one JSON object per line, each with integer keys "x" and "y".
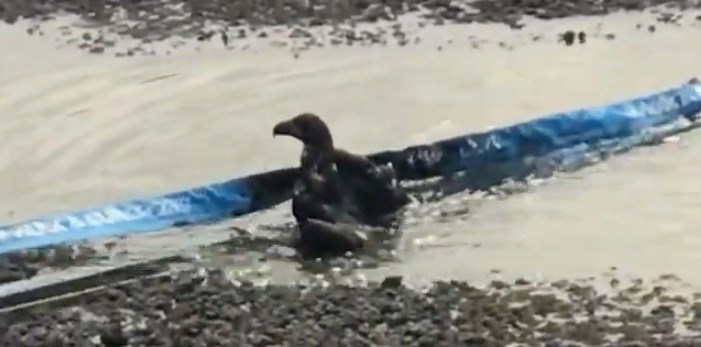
{"x": 336, "y": 186}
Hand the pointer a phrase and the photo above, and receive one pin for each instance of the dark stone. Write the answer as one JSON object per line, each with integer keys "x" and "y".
{"x": 392, "y": 282}
{"x": 568, "y": 37}
{"x": 97, "y": 50}
{"x": 112, "y": 335}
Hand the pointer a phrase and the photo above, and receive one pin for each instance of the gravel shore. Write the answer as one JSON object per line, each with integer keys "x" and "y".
{"x": 104, "y": 26}
{"x": 207, "y": 308}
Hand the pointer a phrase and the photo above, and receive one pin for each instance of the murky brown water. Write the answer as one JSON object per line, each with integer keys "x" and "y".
{"x": 78, "y": 131}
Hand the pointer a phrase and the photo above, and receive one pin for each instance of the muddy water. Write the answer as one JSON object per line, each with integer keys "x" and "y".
{"x": 82, "y": 130}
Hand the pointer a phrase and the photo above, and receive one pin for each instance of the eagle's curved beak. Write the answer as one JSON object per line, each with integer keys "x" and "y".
{"x": 287, "y": 128}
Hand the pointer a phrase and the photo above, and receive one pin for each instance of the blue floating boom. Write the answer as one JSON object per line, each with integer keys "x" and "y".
{"x": 585, "y": 128}
{"x": 487, "y": 158}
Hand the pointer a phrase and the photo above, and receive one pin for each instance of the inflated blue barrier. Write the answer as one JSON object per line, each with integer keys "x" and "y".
{"x": 585, "y": 128}
{"x": 486, "y": 159}
{"x": 200, "y": 205}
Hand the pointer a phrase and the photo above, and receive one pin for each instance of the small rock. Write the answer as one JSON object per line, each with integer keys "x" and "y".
{"x": 568, "y": 37}
{"x": 392, "y": 282}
